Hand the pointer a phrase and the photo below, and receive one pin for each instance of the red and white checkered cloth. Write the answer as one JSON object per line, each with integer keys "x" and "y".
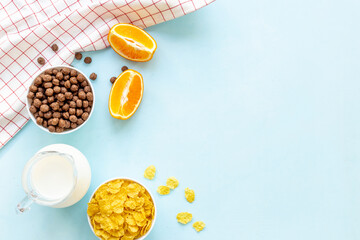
{"x": 29, "y": 27}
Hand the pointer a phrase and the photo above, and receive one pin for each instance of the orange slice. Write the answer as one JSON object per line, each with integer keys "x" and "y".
{"x": 126, "y": 94}
{"x": 132, "y": 42}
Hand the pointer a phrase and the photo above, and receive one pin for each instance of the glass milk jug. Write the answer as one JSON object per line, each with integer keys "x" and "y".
{"x": 57, "y": 176}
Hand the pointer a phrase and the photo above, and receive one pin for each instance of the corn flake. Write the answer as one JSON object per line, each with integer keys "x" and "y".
{"x": 121, "y": 209}
{"x": 163, "y": 190}
{"x": 150, "y": 172}
{"x": 172, "y": 182}
{"x": 199, "y": 226}
{"x": 189, "y": 195}
{"x": 184, "y": 217}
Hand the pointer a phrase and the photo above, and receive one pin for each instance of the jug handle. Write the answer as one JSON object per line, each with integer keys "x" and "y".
{"x": 25, "y": 203}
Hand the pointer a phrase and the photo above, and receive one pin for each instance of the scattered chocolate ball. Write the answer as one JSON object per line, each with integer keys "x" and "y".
{"x": 93, "y": 76}
{"x": 88, "y": 60}
{"x": 78, "y": 56}
{"x": 112, "y": 80}
{"x": 41, "y": 61}
{"x": 124, "y": 68}
{"x": 55, "y": 47}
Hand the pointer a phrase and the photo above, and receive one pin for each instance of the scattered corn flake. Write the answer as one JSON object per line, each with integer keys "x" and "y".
{"x": 172, "y": 182}
{"x": 121, "y": 209}
{"x": 184, "y": 217}
{"x": 163, "y": 190}
{"x": 189, "y": 195}
{"x": 199, "y": 226}
{"x": 150, "y": 172}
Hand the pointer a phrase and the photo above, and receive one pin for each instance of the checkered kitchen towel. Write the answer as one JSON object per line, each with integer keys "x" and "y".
{"x": 29, "y": 27}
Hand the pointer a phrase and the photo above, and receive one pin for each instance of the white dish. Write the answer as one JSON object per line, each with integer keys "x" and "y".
{"x": 28, "y": 103}
{"x": 152, "y": 198}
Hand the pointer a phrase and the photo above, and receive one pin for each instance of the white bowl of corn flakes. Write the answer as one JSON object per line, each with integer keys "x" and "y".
{"x": 121, "y": 208}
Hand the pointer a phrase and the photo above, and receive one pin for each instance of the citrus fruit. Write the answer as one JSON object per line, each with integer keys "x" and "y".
{"x": 126, "y": 94}
{"x": 131, "y": 42}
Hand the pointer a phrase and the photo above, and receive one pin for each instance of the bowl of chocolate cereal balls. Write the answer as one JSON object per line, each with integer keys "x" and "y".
{"x": 60, "y": 99}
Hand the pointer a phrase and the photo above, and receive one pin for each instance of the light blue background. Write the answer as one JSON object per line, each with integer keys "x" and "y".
{"x": 254, "y": 104}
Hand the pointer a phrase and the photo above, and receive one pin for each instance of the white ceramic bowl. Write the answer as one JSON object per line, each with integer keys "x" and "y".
{"x": 152, "y": 198}
{"x": 28, "y": 103}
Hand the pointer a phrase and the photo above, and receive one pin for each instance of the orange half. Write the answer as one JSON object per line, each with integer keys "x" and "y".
{"x": 132, "y": 42}
{"x": 126, "y": 94}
